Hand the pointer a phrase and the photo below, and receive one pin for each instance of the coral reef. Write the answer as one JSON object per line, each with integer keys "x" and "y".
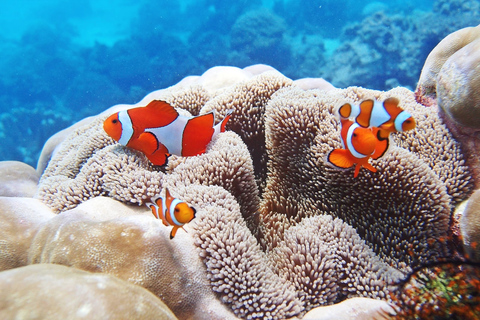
{"x": 458, "y": 85}
{"x": 301, "y": 184}
{"x": 449, "y": 82}
{"x": 69, "y": 293}
{"x": 17, "y": 179}
{"x": 258, "y": 36}
{"x": 437, "y": 292}
{"x": 470, "y": 226}
{"x": 452, "y": 43}
{"x": 278, "y": 231}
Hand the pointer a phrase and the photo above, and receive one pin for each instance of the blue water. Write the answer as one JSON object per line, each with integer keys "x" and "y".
{"x": 61, "y": 61}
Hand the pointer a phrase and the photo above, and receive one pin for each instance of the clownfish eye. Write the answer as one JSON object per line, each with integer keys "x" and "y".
{"x": 114, "y": 121}
{"x": 354, "y": 135}
{"x": 177, "y": 210}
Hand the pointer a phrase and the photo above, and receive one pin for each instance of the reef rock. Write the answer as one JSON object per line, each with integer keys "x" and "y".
{"x": 20, "y": 219}
{"x": 458, "y": 86}
{"x": 450, "y": 81}
{"x": 17, "y": 179}
{"x": 50, "y": 291}
{"x": 454, "y": 42}
{"x": 470, "y": 226}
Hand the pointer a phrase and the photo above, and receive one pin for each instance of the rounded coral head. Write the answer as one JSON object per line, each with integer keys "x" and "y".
{"x": 113, "y": 127}
{"x": 184, "y": 213}
{"x": 364, "y": 141}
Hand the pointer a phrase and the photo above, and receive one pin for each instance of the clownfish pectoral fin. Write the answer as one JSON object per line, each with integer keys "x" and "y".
{"x": 154, "y": 209}
{"x": 340, "y": 158}
{"x": 146, "y": 142}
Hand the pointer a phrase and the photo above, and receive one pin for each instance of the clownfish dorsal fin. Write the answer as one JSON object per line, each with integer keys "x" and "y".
{"x": 168, "y": 196}
{"x": 197, "y": 134}
{"x": 345, "y": 110}
{"x": 159, "y": 114}
{"x": 366, "y": 107}
{"x": 391, "y": 104}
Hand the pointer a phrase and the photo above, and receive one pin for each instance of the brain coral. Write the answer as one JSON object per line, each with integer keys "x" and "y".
{"x": 279, "y": 231}
{"x": 440, "y": 54}
{"x": 69, "y": 293}
{"x": 450, "y": 81}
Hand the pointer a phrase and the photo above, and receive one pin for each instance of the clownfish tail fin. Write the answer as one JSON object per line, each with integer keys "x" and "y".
{"x": 220, "y": 127}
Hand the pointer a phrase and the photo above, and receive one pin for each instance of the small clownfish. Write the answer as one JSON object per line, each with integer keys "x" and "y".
{"x": 159, "y": 131}
{"x": 172, "y": 211}
{"x": 360, "y": 144}
{"x": 386, "y": 116}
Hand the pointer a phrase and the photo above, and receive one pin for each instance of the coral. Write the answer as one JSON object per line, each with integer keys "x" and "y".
{"x": 440, "y": 291}
{"x": 128, "y": 176}
{"x": 327, "y": 262}
{"x": 470, "y": 226}
{"x": 451, "y": 73}
{"x": 249, "y": 100}
{"x": 18, "y": 226}
{"x": 400, "y": 208}
{"x": 134, "y": 247}
{"x": 17, "y": 179}
{"x": 69, "y": 293}
{"x": 257, "y": 36}
{"x": 440, "y": 54}
{"x": 371, "y": 47}
{"x": 237, "y": 268}
{"x": 353, "y": 308}
{"x": 317, "y": 237}
{"x": 458, "y": 85}
{"x": 33, "y": 125}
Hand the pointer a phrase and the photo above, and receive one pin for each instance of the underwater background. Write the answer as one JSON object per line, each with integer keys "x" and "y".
{"x": 63, "y": 61}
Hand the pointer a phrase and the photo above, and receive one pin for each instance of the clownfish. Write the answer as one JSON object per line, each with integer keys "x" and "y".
{"x": 387, "y": 116}
{"x": 359, "y": 145}
{"x": 172, "y": 211}
{"x": 158, "y": 131}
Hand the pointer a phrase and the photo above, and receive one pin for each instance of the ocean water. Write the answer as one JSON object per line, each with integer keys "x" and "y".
{"x": 62, "y": 61}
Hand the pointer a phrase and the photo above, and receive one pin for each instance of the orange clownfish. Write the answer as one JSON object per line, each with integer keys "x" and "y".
{"x": 158, "y": 131}
{"x": 172, "y": 211}
{"x": 360, "y": 144}
{"x": 387, "y": 116}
